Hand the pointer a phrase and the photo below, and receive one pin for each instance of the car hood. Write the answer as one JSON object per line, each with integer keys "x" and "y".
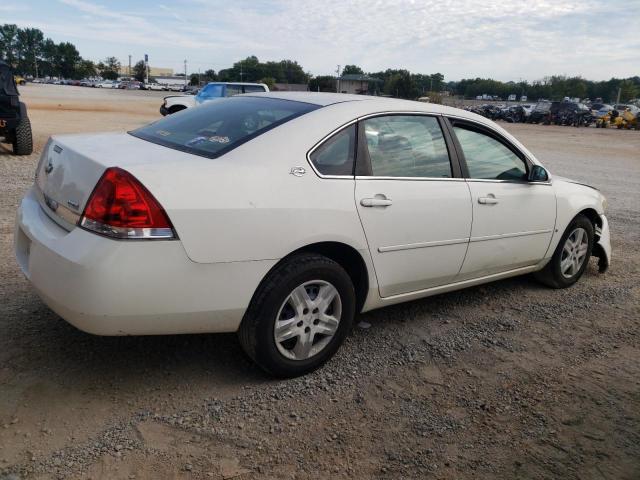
{"x": 575, "y": 182}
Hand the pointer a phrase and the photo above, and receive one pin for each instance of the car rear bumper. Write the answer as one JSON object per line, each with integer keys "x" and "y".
{"x": 112, "y": 287}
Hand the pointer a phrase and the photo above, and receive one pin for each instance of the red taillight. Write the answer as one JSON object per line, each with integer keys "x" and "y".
{"x": 121, "y": 207}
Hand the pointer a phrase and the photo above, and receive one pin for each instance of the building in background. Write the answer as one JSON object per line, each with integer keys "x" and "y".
{"x": 290, "y": 87}
{"x": 153, "y": 71}
{"x": 355, "y": 83}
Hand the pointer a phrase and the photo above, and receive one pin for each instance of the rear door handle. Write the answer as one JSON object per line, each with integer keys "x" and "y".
{"x": 490, "y": 200}
{"x": 380, "y": 201}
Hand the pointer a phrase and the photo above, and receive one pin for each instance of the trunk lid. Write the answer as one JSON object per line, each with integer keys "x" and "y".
{"x": 71, "y": 165}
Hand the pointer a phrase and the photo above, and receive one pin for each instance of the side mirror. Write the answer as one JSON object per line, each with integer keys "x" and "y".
{"x": 538, "y": 174}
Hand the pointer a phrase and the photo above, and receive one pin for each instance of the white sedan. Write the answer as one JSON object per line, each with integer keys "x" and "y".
{"x": 281, "y": 216}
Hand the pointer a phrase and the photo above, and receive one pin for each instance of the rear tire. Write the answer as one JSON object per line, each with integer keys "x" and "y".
{"x": 571, "y": 257}
{"x": 276, "y": 322}
{"x": 23, "y": 140}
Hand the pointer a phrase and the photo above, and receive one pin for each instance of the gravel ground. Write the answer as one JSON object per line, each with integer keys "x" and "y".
{"x": 507, "y": 380}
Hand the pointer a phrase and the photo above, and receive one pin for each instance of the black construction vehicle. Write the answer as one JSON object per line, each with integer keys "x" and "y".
{"x": 15, "y": 127}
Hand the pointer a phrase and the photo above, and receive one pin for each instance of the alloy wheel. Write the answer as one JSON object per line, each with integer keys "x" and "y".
{"x": 574, "y": 252}
{"x": 307, "y": 320}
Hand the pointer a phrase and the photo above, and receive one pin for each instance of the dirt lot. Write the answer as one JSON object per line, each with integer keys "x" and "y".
{"x": 508, "y": 380}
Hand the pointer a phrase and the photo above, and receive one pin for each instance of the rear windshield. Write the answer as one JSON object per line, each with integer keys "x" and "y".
{"x": 215, "y": 128}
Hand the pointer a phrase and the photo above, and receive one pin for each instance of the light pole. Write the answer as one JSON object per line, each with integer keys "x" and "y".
{"x": 185, "y": 74}
{"x": 338, "y": 80}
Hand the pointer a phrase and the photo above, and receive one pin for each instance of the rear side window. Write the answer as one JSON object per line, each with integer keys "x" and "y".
{"x": 487, "y": 158}
{"x": 233, "y": 90}
{"x": 335, "y": 156}
{"x": 253, "y": 88}
{"x": 215, "y": 128}
{"x": 406, "y": 146}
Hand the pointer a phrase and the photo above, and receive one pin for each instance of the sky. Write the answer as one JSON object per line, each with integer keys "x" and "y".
{"x": 500, "y": 39}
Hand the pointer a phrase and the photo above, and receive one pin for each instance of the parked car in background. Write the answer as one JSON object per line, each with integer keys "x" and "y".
{"x": 571, "y": 113}
{"x": 211, "y": 91}
{"x": 154, "y": 86}
{"x": 257, "y": 214}
{"x": 104, "y": 84}
{"x": 540, "y": 112}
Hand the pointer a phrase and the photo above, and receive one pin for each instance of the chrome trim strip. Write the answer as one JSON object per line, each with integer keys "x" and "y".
{"x": 63, "y": 216}
{"x": 509, "y": 235}
{"x": 410, "y": 246}
{"x": 491, "y": 180}
{"x": 420, "y": 179}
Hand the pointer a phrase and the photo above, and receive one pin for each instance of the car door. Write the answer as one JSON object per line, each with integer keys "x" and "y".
{"x": 513, "y": 218}
{"x": 414, "y": 207}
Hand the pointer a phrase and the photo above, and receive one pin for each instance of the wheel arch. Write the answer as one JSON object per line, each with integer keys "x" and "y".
{"x": 593, "y": 217}
{"x": 176, "y": 108}
{"x": 343, "y": 254}
{"x": 349, "y": 259}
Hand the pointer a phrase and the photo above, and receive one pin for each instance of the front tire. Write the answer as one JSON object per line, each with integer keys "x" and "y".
{"x": 571, "y": 257}
{"x": 22, "y": 139}
{"x": 299, "y": 316}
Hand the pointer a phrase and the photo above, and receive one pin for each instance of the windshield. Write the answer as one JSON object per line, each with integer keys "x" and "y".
{"x": 211, "y": 91}
{"x": 218, "y": 127}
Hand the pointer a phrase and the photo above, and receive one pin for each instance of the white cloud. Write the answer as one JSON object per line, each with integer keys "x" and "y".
{"x": 507, "y": 39}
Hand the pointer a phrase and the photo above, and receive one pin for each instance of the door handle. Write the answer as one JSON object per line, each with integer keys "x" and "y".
{"x": 377, "y": 201}
{"x": 488, "y": 200}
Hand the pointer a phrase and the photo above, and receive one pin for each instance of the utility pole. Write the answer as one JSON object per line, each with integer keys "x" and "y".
{"x": 185, "y": 73}
{"x": 619, "y": 92}
{"x": 146, "y": 68}
{"x": 241, "y": 71}
{"x": 338, "y": 80}
{"x": 129, "y": 66}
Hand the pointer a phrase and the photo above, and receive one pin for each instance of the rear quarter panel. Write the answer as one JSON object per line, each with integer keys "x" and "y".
{"x": 246, "y": 205}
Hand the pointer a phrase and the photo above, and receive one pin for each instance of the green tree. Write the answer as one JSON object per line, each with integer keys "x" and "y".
{"x": 86, "y": 69}
{"x": 110, "y": 68}
{"x": 352, "y": 70}
{"x": 140, "y": 71}
{"x": 68, "y": 59}
{"x": 323, "y": 83}
{"x": 628, "y": 90}
{"x": 9, "y": 43}
{"x": 269, "y": 82}
{"x": 30, "y": 42}
{"x": 48, "y": 66}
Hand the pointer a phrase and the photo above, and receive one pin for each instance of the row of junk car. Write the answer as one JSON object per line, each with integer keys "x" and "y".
{"x": 567, "y": 112}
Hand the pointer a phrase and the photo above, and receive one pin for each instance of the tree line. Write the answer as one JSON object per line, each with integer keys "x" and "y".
{"x": 31, "y": 54}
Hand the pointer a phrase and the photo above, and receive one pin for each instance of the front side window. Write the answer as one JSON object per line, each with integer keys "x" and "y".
{"x": 335, "y": 156}
{"x": 218, "y": 127}
{"x": 406, "y": 146}
{"x": 487, "y": 158}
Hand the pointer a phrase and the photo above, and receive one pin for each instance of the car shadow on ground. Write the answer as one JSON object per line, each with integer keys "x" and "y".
{"x": 47, "y": 345}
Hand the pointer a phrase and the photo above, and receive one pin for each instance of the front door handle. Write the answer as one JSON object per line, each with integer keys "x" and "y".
{"x": 377, "y": 201}
{"x": 488, "y": 200}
